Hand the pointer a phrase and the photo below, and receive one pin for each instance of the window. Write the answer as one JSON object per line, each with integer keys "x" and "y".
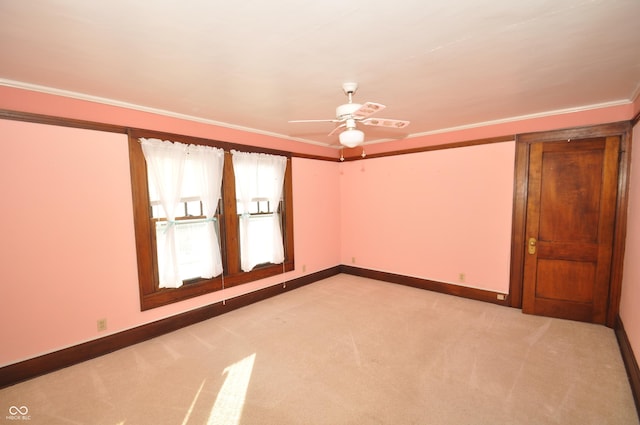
{"x": 259, "y": 179}
{"x": 196, "y": 235}
{"x": 184, "y": 185}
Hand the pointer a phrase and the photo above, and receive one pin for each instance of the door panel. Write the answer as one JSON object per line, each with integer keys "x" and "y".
{"x": 569, "y": 226}
{"x": 570, "y": 179}
{"x": 581, "y": 273}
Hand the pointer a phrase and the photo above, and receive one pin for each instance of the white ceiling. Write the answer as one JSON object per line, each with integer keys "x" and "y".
{"x": 256, "y": 64}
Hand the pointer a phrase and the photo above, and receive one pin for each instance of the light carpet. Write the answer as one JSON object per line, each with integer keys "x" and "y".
{"x": 348, "y": 350}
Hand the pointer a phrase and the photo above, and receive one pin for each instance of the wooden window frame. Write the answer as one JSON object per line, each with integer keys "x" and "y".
{"x": 150, "y": 295}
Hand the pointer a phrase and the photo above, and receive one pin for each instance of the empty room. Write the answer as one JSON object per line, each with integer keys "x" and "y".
{"x": 320, "y": 213}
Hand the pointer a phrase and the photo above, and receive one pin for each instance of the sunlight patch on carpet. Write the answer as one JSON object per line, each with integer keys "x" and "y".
{"x": 227, "y": 409}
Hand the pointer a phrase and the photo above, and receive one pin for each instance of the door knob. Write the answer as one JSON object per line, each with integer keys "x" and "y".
{"x": 532, "y": 246}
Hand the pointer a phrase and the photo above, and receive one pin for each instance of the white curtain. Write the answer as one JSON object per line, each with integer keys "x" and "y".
{"x": 259, "y": 177}
{"x": 178, "y": 172}
{"x": 165, "y": 165}
{"x": 209, "y": 162}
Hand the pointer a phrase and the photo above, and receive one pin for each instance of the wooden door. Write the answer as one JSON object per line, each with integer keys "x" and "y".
{"x": 569, "y": 226}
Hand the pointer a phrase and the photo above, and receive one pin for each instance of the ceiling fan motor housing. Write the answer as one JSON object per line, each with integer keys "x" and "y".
{"x": 346, "y": 111}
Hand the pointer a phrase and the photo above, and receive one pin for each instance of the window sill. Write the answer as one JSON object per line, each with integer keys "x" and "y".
{"x": 168, "y": 296}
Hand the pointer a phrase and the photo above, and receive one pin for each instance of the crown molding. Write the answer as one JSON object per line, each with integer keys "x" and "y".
{"x": 525, "y": 117}
{"x": 162, "y": 112}
{"x": 120, "y": 104}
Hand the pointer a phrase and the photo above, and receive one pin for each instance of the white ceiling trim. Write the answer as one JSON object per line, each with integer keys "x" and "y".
{"x": 526, "y": 117}
{"x": 162, "y": 112}
{"x": 117, "y": 103}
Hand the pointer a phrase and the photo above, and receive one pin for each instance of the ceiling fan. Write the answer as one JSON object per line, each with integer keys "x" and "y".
{"x": 349, "y": 114}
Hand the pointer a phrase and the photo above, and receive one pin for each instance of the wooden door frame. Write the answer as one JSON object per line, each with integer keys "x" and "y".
{"x": 520, "y": 195}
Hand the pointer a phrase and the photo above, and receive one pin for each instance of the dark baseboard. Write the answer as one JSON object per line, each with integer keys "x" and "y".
{"x": 31, "y": 368}
{"x": 27, "y": 369}
{"x": 630, "y": 362}
{"x": 416, "y": 282}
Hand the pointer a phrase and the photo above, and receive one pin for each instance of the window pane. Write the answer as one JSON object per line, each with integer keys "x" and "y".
{"x": 157, "y": 211}
{"x": 194, "y": 208}
{"x": 190, "y": 187}
{"x": 263, "y": 206}
{"x": 191, "y": 246}
{"x": 262, "y": 231}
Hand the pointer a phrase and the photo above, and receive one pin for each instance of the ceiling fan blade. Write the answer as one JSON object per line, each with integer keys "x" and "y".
{"x": 330, "y": 120}
{"x": 336, "y": 129}
{"x": 367, "y": 109}
{"x": 385, "y": 122}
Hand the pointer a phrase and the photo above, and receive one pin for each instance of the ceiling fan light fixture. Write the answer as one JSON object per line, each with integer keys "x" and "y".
{"x": 351, "y": 137}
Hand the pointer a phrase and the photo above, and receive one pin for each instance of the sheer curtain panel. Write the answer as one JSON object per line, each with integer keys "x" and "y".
{"x": 259, "y": 181}
{"x": 180, "y": 176}
{"x": 209, "y": 162}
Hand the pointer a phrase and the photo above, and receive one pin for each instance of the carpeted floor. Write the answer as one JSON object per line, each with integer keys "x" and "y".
{"x": 348, "y": 350}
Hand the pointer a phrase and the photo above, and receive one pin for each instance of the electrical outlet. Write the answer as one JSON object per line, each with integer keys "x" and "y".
{"x": 353, "y": 260}
{"x": 462, "y": 277}
{"x": 102, "y": 325}
{"x": 304, "y": 268}
{"x": 500, "y": 297}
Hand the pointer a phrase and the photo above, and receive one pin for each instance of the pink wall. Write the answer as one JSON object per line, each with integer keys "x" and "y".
{"x": 418, "y": 214}
{"x": 67, "y": 255}
{"x": 316, "y": 214}
{"x": 630, "y": 302}
{"x": 69, "y": 212}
